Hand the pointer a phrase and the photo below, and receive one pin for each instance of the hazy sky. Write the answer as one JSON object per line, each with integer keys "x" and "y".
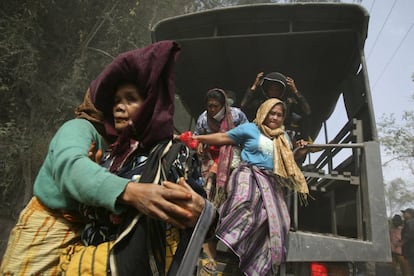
{"x": 389, "y": 51}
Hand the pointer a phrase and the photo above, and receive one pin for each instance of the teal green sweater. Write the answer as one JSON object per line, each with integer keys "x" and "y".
{"x": 68, "y": 177}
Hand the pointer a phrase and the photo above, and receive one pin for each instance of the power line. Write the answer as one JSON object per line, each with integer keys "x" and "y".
{"x": 372, "y": 5}
{"x": 393, "y": 55}
{"x": 382, "y": 28}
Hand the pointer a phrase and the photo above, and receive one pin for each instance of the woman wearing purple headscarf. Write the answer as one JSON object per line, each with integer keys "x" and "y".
{"x": 68, "y": 177}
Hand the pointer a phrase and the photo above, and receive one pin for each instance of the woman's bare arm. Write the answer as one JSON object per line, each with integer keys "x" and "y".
{"x": 218, "y": 139}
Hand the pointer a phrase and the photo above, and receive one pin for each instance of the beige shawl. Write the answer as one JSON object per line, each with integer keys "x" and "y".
{"x": 284, "y": 162}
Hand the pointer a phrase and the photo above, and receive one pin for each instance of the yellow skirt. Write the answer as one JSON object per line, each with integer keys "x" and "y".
{"x": 36, "y": 241}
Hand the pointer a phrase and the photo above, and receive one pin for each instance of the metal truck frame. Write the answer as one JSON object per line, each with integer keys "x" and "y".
{"x": 322, "y": 47}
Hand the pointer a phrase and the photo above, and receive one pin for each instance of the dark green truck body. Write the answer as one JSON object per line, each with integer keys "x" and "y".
{"x": 322, "y": 47}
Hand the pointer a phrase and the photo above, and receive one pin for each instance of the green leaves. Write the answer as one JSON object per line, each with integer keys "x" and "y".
{"x": 397, "y": 137}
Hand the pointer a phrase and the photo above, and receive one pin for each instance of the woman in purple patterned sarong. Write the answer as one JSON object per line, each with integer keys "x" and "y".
{"x": 254, "y": 219}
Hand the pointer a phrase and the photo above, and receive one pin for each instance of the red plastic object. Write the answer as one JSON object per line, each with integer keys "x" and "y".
{"x": 318, "y": 269}
{"x": 186, "y": 138}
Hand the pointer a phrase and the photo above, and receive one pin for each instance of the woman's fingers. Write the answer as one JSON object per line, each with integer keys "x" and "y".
{"x": 157, "y": 201}
{"x": 95, "y": 154}
{"x": 177, "y": 204}
{"x": 92, "y": 150}
{"x": 169, "y": 213}
{"x": 195, "y": 205}
{"x": 98, "y": 156}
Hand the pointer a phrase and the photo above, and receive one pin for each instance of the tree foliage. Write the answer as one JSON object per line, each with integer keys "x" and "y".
{"x": 49, "y": 52}
{"x": 397, "y": 138}
{"x": 398, "y": 196}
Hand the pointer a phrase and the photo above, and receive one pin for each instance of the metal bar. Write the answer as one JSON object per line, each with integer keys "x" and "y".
{"x": 343, "y": 135}
{"x": 351, "y": 179}
{"x": 265, "y": 34}
{"x": 358, "y": 202}
{"x": 358, "y": 194}
{"x": 327, "y": 156}
{"x": 325, "y": 128}
{"x": 348, "y": 127}
{"x": 295, "y": 211}
{"x": 333, "y": 213}
{"x": 354, "y": 145}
